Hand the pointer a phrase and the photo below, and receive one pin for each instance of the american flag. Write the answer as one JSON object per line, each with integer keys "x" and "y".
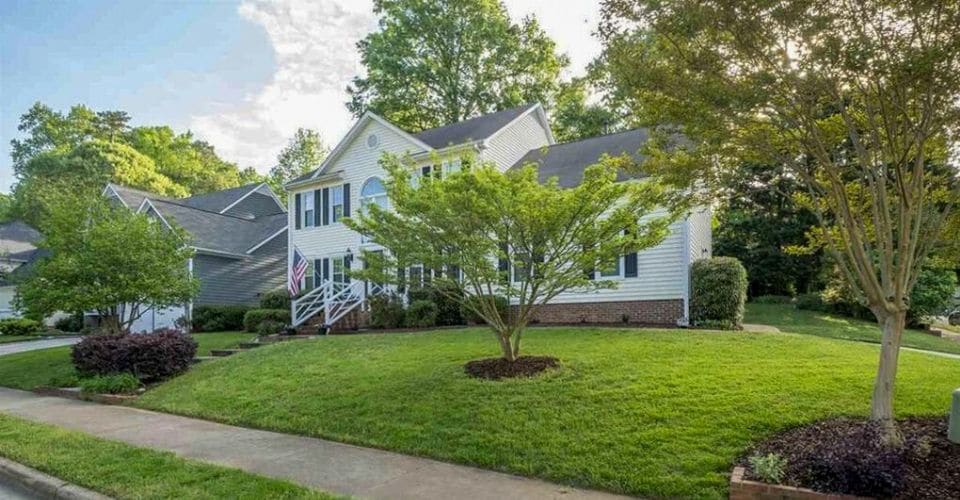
{"x": 298, "y": 268}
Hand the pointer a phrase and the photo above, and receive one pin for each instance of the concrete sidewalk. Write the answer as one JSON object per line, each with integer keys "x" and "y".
{"x": 325, "y": 465}
{"x": 35, "y": 345}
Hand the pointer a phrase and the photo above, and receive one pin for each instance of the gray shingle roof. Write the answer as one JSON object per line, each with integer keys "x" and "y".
{"x": 217, "y": 200}
{"x": 134, "y": 197}
{"x": 19, "y": 231}
{"x": 568, "y": 161}
{"x": 474, "y": 129}
{"x": 218, "y": 232}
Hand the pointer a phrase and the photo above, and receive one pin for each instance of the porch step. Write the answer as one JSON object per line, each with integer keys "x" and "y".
{"x": 222, "y": 353}
{"x": 250, "y": 345}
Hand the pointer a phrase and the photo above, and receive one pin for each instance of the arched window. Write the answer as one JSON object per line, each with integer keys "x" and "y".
{"x": 373, "y": 192}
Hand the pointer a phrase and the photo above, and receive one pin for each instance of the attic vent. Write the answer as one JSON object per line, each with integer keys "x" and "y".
{"x": 373, "y": 141}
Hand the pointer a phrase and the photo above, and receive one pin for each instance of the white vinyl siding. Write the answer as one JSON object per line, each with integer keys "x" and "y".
{"x": 356, "y": 164}
{"x": 515, "y": 141}
{"x": 701, "y": 241}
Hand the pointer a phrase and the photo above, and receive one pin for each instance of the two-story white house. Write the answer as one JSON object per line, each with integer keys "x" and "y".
{"x": 653, "y": 285}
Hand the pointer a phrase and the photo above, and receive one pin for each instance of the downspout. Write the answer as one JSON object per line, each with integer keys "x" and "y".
{"x": 189, "y": 326}
{"x": 685, "y": 320}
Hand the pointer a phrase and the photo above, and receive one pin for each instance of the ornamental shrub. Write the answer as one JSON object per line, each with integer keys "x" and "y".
{"x": 446, "y": 296}
{"x": 20, "y": 326}
{"x": 386, "y": 311}
{"x": 269, "y": 327}
{"x": 472, "y": 317}
{"x": 119, "y": 383}
{"x": 933, "y": 293}
{"x": 278, "y": 298}
{"x": 148, "y": 356}
{"x": 218, "y": 318}
{"x": 72, "y": 323}
{"x": 770, "y": 467}
{"x": 719, "y": 292}
{"x": 421, "y": 314}
{"x": 253, "y": 318}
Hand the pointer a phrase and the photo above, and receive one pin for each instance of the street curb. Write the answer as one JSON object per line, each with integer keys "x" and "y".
{"x": 44, "y": 485}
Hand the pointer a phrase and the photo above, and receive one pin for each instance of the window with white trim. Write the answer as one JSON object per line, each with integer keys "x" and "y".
{"x": 373, "y": 193}
{"x": 336, "y": 203}
{"x": 614, "y": 270}
{"x": 338, "y": 271}
{"x": 451, "y": 166}
{"x": 308, "y": 209}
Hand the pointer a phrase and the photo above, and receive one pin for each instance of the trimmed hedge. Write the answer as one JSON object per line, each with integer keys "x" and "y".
{"x": 275, "y": 299}
{"x": 421, "y": 314}
{"x": 719, "y": 292}
{"x": 253, "y": 318}
{"x": 148, "y": 356}
{"x": 20, "y": 326}
{"x": 72, "y": 323}
{"x": 386, "y": 311}
{"x": 218, "y": 318}
{"x": 469, "y": 315}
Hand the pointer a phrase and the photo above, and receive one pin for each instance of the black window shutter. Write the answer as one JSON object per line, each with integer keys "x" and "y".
{"x": 326, "y": 269}
{"x": 425, "y": 171}
{"x": 325, "y": 211}
{"x": 629, "y": 263}
{"x": 347, "y": 260}
{"x": 503, "y": 264}
{"x": 296, "y": 210}
{"x": 316, "y": 208}
{"x": 346, "y": 200}
{"x": 401, "y": 278}
{"x": 317, "y": 272}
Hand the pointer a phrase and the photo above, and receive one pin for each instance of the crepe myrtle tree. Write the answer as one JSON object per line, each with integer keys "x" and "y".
{"x": 106, "y": 258}
{"x": 487, "y": 233}
{"x": 859, "y": 100}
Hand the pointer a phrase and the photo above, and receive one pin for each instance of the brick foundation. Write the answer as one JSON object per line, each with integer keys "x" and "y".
{"x": 644, "y": 312}
{"x": 743, "y": 489}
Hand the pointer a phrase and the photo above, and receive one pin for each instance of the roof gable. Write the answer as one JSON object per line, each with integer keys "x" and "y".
{"x": 478, "y": 128}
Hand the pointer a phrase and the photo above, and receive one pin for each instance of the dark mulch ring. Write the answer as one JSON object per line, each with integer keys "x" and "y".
{"x": 845, "y": 456}
{"x": 498, "y": 368}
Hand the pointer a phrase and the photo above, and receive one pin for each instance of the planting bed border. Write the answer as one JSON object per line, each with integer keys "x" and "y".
{"x": 75, "y": 393}
{"x": 744, "y": 489}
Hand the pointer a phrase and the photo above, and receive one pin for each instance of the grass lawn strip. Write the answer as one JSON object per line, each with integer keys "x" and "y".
{"x": 125, "y": 471}
{"x": 790, "y": 319}
{"x": 26, "y": 370}
{"x": 661, "y": 413}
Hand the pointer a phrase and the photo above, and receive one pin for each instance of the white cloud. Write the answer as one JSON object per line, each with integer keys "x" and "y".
{"x": 315, "y": 49}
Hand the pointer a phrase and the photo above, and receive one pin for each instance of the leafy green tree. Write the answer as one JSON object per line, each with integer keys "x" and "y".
{"x": 111, "y": 125}
{"x": 437, "y": 62}
{"x": 303, "y": 154}
{"x": 759, "y": 223}
{"x": 51, "y": 131}
{"x": 185, "y": 160}
{"x": 509, "y": 235}
{"x": 106, "y": 259}
{"x": 856, "y": 99}
{"x": 574, "y": 118}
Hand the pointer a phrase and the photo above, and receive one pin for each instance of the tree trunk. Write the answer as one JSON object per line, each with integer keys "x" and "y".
{"x": 881, "y": 408}
{"x": 505, "y": 346}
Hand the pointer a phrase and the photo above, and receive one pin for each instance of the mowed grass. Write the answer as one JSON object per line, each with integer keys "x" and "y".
{"x": 790, "y": 319}
{"x": 123, "y": 471}
{"x": 26, "y": 370}
{"x": 660, "y": 413}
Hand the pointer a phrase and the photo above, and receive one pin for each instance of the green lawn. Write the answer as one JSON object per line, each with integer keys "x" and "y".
{"x": 660, "y": 413}
{"x": 790, "y": 319}
{"x": 123, "y": 471}
{"x": 26, "y": 370}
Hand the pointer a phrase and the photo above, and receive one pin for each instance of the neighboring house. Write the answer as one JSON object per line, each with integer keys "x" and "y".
{"x": 654, "y": 284}
{"x": 18, "y": 252}
{"x": 239, "y": 235}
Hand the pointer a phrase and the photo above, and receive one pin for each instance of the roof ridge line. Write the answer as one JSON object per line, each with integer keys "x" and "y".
{"x": 204, "y": 210}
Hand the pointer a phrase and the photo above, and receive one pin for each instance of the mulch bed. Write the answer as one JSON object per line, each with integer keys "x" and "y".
{"x": 498, "y": 368}
{"x": 845, "y": 456}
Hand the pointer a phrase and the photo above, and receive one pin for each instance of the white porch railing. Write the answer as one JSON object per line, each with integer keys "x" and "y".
{"x": 334, "y": 300}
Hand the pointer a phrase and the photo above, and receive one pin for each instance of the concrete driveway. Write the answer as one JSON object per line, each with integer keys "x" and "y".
{"x": 34, "y": 345}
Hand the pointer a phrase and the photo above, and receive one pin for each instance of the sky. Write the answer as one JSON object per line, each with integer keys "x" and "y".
{"x": 242, "y": 75}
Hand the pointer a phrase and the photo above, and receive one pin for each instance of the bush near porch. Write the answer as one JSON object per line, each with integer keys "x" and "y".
{"x": 661, "y": 413}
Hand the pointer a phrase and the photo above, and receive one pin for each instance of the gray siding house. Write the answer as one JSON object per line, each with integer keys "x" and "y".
{"x": 239, "y": 235}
